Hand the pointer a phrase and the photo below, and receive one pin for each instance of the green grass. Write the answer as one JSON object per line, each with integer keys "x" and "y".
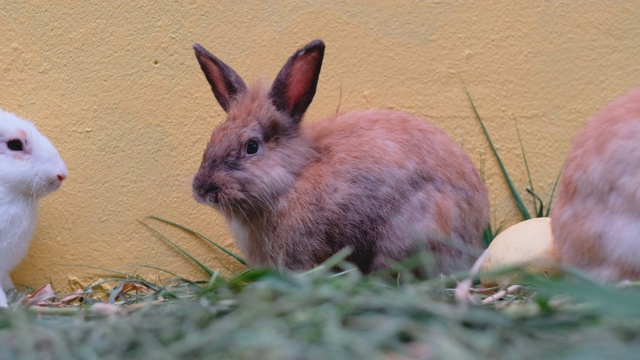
{"x": 263, "y": 314}
{"x": 329, "y": 312}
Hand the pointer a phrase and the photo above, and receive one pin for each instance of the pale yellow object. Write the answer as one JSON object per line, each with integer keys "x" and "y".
{"x": 528, "y": 243}
{"x": 116, "y": 87}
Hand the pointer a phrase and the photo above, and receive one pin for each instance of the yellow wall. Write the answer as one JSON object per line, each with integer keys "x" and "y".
{"x": 116, "y": 87}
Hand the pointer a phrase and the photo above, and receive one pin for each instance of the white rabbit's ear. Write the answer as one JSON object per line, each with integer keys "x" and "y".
{"x": 294, "y": 87}
{"x": 225, "y": 82}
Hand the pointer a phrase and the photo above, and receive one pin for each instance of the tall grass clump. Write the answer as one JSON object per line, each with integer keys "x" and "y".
{"x": 539, "y": 208}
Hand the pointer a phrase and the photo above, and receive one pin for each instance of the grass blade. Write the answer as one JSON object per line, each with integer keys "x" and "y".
{"x": 536, "y": 200}
{"x": 193, "y": 232}
{"x": 487, "y": 236}
{"x": 330, "y": 263}
{"x": 115, "y": 292}
{"x": 164, "y": 271}
{"x": 553, "y": 191}
{"x": 93, "y": 267}
{"x": 523, "y": 210}
{"x": 185, "y": 253}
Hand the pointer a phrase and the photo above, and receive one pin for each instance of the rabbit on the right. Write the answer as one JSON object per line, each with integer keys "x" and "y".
{"x": 596, "y": 217}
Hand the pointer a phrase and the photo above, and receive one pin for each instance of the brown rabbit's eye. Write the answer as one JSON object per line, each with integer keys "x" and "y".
{"x": 252, "y": 147}
{"x": 15, "y": 145}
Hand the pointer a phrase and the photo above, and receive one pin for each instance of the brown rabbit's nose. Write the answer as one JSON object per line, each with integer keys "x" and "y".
{"x": 203, "y": 188}
{"x": 209, "y": 189}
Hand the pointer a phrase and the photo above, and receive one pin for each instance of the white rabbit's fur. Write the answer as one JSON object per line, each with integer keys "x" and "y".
{"x": 25, "y": 176}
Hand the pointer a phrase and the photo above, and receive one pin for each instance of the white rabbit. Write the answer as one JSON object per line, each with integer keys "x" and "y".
{"x": 30, "y": 168}
{"x": 382, "y": 182}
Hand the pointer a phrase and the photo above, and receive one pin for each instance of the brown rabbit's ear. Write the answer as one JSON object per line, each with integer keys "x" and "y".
{"x": 225, "y": 82}
{"x": 294, "y": 87}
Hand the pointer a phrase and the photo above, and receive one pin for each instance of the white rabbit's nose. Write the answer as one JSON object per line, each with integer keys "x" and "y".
{"x": 62, "y": 172}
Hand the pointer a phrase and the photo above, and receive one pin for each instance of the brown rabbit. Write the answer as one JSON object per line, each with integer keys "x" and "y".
{"x": 596, "y": 217}
{"x": 379, "y": 181}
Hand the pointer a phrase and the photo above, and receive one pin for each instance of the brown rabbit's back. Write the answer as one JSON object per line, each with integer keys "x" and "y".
{"x": 596, "y": 216}
{"x": 383, "y": 181}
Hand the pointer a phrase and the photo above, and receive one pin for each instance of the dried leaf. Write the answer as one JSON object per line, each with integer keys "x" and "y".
{"x": 41, "y": 297}
{"x": 73, "y": 297}
{"x": 131, "y": 286}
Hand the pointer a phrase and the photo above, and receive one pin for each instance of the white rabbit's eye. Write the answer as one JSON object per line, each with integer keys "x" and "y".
{"x": 15, "y": 145}
{"x": 252, "y": 147}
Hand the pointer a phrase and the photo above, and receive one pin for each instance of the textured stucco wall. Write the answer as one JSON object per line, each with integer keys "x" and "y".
{"x": 116, "y": 87}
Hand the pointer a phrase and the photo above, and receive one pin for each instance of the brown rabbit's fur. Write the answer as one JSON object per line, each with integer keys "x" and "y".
{"x": 379, "y": 181}
{"x": 596, "y": 216}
